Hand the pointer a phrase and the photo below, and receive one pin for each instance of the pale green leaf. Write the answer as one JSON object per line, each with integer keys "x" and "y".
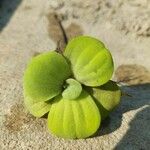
{"x": 91, "y": 62}
{"x": 79, "y": 118}
{"x": 37, "y": 109}
{"x": 44, "y": 76}
{"x": 72, "y": 90}
{"x": 107, "y": 97}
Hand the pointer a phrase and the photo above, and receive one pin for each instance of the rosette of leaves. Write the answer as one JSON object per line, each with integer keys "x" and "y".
{"x": 74, "y": 88}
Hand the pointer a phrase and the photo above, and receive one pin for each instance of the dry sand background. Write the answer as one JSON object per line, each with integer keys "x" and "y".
{"x": 29, "y": 27}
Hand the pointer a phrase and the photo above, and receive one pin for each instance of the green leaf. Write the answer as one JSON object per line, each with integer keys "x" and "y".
{"x": 44, "y": 76}
{"x": 37, "y": 109}
{"x": 91, "y": 62}
{"x": 107, "y": 97}
{"x": 79, "y": 118}
{"x": 73, "y": 89}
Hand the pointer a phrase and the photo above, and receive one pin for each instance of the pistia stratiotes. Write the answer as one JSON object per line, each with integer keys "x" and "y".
{"x": 74, "y": 88}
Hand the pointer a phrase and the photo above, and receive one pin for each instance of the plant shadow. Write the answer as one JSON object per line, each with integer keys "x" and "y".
{"x": 138, "y": 134}
{"x": 7, "y": 9}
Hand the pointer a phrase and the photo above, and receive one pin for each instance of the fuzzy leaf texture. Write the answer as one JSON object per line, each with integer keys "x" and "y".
{"x": 79, "y": 118}
{"x": 44, "y": 76}
{"x": 37, "y": 109}
{"x": 107, "y": 97}
{"x": 91, "y": 62}
{"x": 73, "y": 89}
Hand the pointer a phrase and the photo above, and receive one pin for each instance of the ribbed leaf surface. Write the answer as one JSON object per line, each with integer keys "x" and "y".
{"x": 107, "y": 97}
{"x": 79, "y": 118}
{"x": 91, "y": 62}
{"x": 37, "y": 109}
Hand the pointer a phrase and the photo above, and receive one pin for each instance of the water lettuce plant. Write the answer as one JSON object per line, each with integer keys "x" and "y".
{"x": 74, "y": 88}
